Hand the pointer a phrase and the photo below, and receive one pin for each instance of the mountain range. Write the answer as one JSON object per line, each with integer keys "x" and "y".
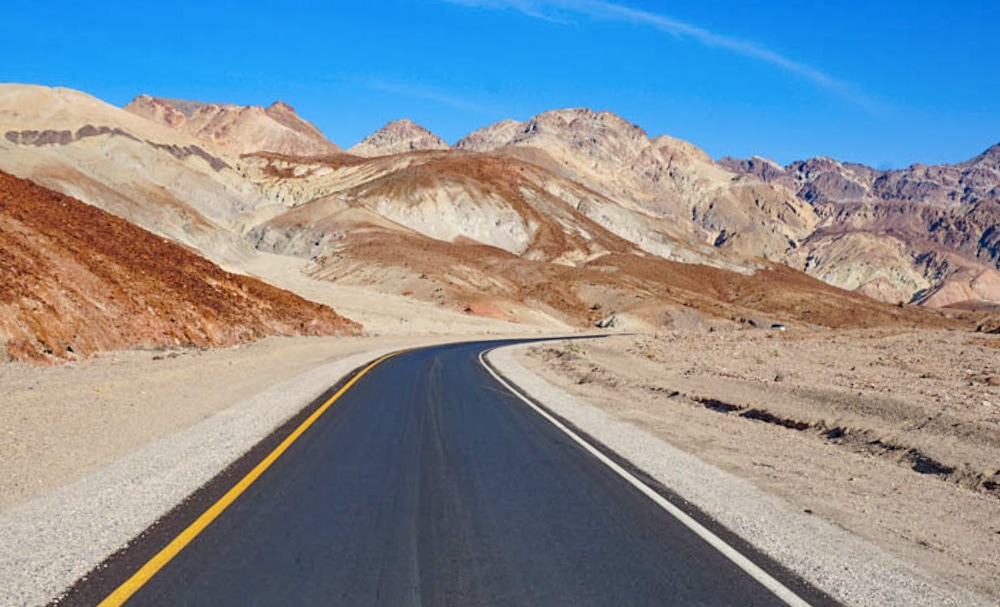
{"x": 572, "y": 217}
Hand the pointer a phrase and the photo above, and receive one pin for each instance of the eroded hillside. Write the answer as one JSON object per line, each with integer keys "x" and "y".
{"x": 75, "y": 280}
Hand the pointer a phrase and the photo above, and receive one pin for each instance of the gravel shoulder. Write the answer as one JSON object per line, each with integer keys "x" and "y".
{"x": 878, "y": 452}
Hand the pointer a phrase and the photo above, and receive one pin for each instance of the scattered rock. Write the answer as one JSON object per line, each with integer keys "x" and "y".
{"x": 608, "y": 322}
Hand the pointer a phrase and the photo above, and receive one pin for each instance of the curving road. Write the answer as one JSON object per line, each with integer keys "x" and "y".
{"x": 428, "y": 483}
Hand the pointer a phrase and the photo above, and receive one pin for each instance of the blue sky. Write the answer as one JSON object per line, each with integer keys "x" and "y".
{"x": 884, "y": 83}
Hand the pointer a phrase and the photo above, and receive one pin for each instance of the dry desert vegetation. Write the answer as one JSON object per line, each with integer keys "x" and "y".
{"x": 893, "y": 435}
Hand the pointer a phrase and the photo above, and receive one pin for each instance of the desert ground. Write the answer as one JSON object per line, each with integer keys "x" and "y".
{"x": 891, "y": 435}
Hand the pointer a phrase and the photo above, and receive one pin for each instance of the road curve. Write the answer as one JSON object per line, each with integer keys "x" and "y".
{"x": 428, "y": 483}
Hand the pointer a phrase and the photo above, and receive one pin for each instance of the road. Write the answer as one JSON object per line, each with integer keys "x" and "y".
{"x": 428, "y": 483}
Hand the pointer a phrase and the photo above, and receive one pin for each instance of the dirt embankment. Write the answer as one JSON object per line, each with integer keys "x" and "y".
{"x": 75, "y": 280}
{"x": 891, "y": 434}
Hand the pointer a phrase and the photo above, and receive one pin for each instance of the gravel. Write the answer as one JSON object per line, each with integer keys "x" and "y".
{"x": 48, "y": 543}
{"x": 850, "y": 569}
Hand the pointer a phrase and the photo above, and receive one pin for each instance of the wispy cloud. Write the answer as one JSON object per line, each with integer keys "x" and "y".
{"x": 429, "y": 93}
{"x": 558, "y": 10}
{"x": 532, "y": 8}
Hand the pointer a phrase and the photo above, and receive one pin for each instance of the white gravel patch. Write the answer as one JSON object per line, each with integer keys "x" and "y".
{"x": 852, "y": 570}
{"x": 48, "y": 543}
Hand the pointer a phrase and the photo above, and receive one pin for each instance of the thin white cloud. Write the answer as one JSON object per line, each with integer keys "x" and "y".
{"x": 530, "y": 8}
{"x": 429, "y": 93}
{"x": 556, "y": 10}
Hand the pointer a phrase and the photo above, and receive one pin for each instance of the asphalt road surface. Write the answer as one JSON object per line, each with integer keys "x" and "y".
{"x": 428, "y": 483}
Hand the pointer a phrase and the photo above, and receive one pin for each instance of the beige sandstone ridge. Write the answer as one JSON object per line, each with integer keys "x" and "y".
{"x": 398, "y": 137}
{"x": 242, "y": 129}
{"x": 663, "y": 177}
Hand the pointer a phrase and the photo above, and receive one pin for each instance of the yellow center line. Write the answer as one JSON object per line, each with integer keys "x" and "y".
{"x": 164, "y": 556}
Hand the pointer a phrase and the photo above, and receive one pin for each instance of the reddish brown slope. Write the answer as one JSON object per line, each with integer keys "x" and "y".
{"x": 75, "y": 280}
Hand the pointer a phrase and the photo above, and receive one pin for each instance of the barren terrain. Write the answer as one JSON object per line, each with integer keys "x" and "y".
{"x": 893, "y": 435}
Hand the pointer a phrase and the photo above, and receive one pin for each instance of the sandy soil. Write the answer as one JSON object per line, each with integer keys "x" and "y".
{"x": 382, "y": 313}
{"x": 894, "y": 436}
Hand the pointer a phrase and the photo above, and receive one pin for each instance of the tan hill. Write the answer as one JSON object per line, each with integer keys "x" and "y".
{"x": 496, "y": 200}
{"x": 926, "y": 234}
{"x": 165, "y": 181}
{"x": 242, "y": 129}
{"x": 663, "y": 177}
{"x": 398, "y": 137}
{"x": 75, "y": 280}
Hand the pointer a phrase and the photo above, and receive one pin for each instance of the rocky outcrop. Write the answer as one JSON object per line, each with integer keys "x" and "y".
{"x": 75, "y": 280}
{"x": 398, "y": 137}
{"x": 243, "y": 129}
{"x": 964, "y": 288}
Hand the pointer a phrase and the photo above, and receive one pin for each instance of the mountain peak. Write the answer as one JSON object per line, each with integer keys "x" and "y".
{"x": 244, "y": 129}
{"x": 576, "y": 127}
{"x": 991, "y": 155}
{"x": 398, "y": 137}
{"x": 580, "y": 118}
{"x": 281, "y": 106}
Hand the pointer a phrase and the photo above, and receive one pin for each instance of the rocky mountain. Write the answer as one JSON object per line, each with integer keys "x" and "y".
{"x": 663, "y": 177}
{"x": 242, "y": 129}
{"x": 828, "y": 181}
{"x": 398, "y": 137}
{"x": 75, "y": 280}
{"x": 569, "y": 218}
{"x": 482, "y": 231}
{"x": 926, "y": 234}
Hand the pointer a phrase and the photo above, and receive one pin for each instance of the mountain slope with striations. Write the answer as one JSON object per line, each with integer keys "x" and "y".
{"x": 662, "y": 177}
{"x": 927, "y": 234}
{"x": 158, "y": 178}
{"x": 75, "y": 280}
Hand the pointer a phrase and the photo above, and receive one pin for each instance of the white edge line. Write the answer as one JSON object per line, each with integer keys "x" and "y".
{"x": 779, "y": 589}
